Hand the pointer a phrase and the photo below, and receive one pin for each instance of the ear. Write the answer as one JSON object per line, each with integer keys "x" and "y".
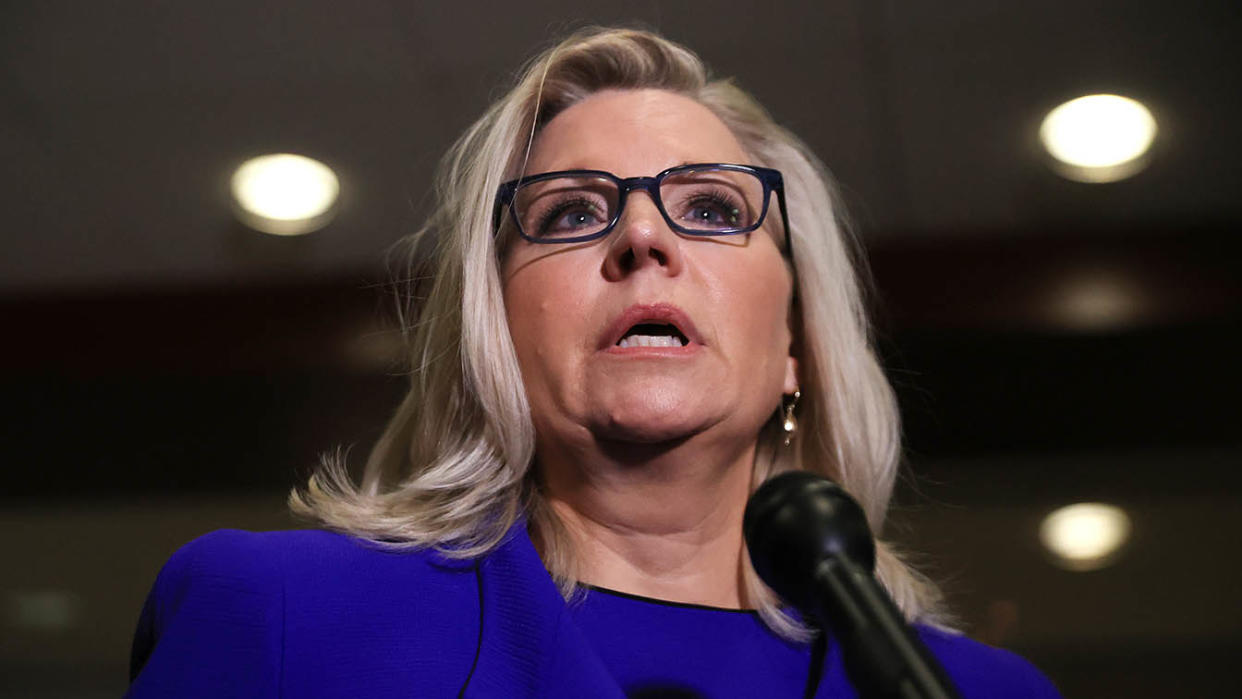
{"x": 791, "y": 375}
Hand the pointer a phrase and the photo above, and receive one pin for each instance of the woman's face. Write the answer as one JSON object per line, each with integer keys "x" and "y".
{"x": 569, "y": 304}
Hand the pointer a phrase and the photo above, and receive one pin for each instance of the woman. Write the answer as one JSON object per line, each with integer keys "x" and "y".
{"x": 611, "y": 346}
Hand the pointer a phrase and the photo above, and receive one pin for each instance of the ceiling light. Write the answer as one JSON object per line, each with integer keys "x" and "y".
{"x": 1085, "y": 536}
{"x": 1098, "y": 299}
{"x": 285, "y": 194}
{"x": 1098, "y": 138}
{"x": 42, "y": 610}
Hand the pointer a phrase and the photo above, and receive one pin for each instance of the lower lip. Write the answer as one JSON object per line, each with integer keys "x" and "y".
{"x": 683, "y": 351}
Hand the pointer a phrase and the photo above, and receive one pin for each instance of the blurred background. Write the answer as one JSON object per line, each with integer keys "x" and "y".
{"x": 170, "y": 370}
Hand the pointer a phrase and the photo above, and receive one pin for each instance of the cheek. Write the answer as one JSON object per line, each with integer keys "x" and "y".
{"x": 527, "y": 307}
{"x": 546, "y": 313}
{"x": 759, "y": 297}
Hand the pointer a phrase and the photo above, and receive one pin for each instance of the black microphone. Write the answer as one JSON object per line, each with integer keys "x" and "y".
{"x": 809, "y": 541}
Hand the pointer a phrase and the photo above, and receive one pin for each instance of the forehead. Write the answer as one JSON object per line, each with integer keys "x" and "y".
{"x": 633, "y": 133}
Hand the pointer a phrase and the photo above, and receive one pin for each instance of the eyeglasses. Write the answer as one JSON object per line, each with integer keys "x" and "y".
{"x": 575, "y": 206}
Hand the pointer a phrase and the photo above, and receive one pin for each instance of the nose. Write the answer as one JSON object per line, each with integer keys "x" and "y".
{"x": 642, "y": 239}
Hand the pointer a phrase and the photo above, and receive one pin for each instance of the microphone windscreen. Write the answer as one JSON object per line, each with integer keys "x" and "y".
{"x": 794, "y": 522}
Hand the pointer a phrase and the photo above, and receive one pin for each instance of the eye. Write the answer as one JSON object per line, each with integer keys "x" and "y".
{"x": 566, "y": 218}
{"x": 713, "y": 210}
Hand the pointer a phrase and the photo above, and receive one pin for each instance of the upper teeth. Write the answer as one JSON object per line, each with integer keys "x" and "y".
{"x": 651, "y": 341}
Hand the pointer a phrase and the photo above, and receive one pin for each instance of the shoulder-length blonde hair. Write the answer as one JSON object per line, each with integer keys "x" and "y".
{"x": 453, "y": 468}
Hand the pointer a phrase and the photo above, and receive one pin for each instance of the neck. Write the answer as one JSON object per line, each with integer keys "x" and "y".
{"x": 658, "y": 521}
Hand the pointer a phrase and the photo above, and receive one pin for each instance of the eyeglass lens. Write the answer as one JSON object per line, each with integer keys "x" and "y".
{"x": 698, "y": 201}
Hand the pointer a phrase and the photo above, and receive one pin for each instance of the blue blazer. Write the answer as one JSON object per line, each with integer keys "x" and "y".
{"x": 319, "y": 614}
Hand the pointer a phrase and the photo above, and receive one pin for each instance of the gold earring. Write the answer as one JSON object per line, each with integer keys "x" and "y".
{"x": 791, "y": 423}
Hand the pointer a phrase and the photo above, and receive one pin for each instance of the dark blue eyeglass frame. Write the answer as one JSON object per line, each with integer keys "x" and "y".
{"x": 771, "y": 180}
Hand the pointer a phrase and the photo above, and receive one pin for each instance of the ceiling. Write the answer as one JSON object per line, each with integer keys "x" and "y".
{"x": 120, "y": 122}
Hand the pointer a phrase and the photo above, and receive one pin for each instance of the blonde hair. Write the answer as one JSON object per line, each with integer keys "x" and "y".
{"x": 453, "y": 468}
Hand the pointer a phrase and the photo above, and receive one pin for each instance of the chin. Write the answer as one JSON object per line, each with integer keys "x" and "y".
{"x": 649, "y": 434}
{"x": 648, "y": 420}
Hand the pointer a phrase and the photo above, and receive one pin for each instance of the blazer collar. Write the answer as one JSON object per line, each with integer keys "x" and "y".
{"x": 529, "y": 645}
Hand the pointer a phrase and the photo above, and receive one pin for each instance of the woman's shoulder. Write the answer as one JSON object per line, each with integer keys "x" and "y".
{"x": 264, "y": 553}
{"x": 297, "y": 562}
{"x": 983, "y": 670}
{"x": 270, "y": 605}
{"x": 254, "y": 555}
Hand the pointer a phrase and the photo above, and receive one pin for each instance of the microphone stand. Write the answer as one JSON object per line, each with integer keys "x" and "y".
{"x": 883, "y": 656}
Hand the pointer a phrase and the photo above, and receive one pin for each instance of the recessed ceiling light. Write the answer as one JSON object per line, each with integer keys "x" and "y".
{"x": 285, "y": 194}
{"x": 1085, "y": 536}
{"x": 1098, "y": 138}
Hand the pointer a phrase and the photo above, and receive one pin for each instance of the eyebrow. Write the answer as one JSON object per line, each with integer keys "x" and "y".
{"x": 581, "y": 166}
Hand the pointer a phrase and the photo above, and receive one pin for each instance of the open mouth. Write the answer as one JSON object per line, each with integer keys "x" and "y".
{"x": 653, "y": 335}
{"x": 654, "y": 325}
